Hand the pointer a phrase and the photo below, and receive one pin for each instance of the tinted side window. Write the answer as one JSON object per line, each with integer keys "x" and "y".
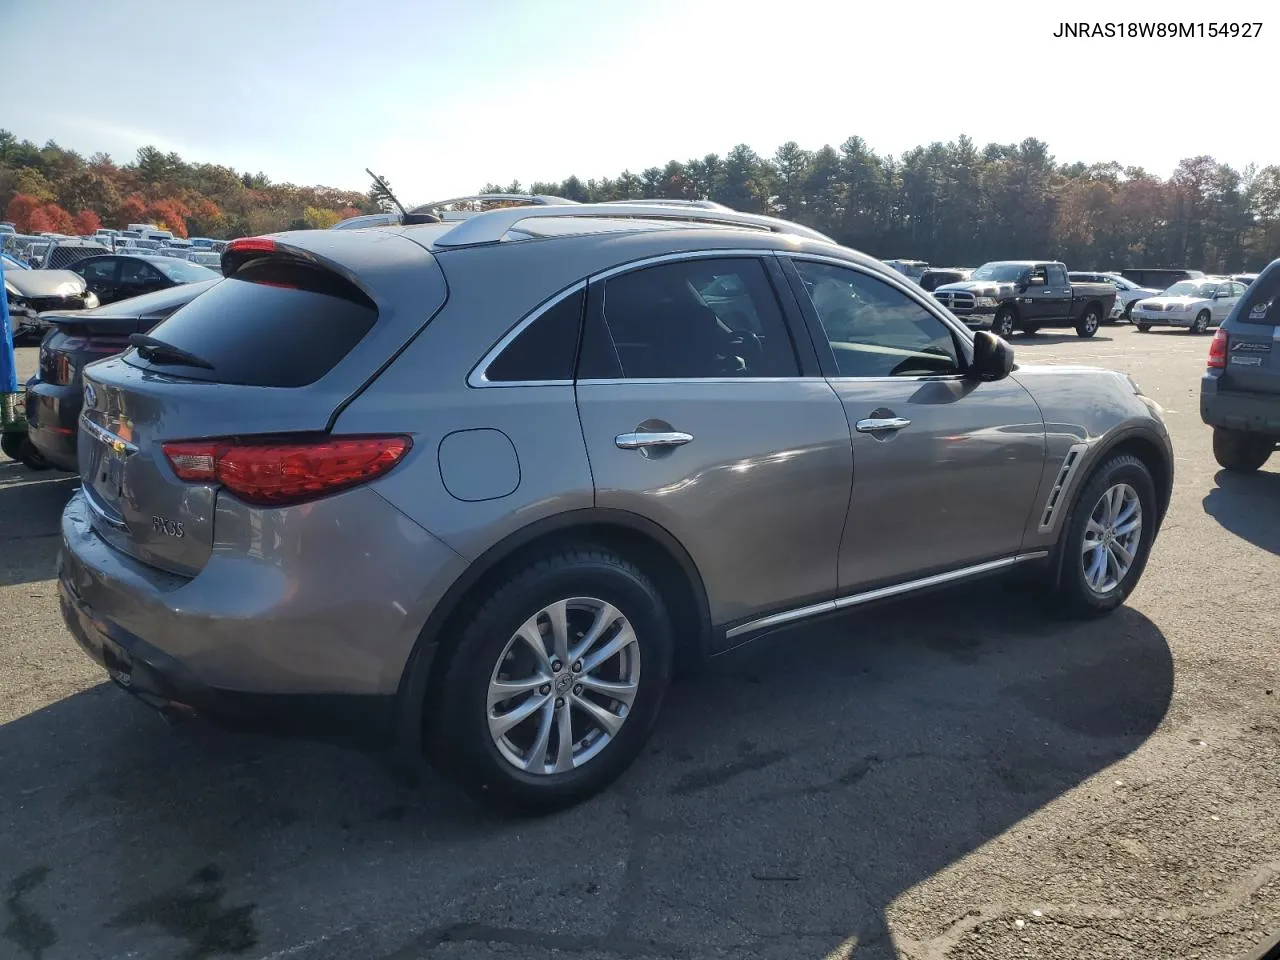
{"x": 1057, "y": 275}
{"x": 546, "y": 348}
{"x": 874, "y": 329}
{"x": 97, "y": 270}
{"x": 271, "y": 324}
{"x": 138, "y": 271}
{"x": 698, "y": 318}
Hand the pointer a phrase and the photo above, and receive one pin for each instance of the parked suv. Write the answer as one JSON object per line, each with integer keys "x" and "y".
{"x": 1240, "y": 390}
{"x": 472, "y": 489}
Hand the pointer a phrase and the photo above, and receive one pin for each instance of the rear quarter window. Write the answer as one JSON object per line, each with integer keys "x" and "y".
{"x": 1261, "y": 300}
{"x": 271, "y": 324}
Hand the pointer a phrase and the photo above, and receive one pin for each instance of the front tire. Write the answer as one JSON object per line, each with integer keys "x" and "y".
{"x": 1143, "y": 327}
{"x": 11, "y": 445}
{"x": 1088, "y": 324}
{"x": 1003, "y": 322}
{"x": 555, "y": 682}
{"x": 1241, "y": 452}
{"x": 1200, "y": 324}
{"x": 1107, "y": 538}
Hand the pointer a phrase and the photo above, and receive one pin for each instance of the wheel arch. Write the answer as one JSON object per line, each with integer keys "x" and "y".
{"x": 1137, "y": 441}
{"x": 646, "y": 543}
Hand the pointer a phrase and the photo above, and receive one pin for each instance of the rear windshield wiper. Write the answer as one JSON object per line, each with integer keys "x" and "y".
{"x": 151, "y": 349}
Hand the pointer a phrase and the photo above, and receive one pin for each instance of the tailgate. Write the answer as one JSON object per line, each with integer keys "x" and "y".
{"x": 139, "y": 504}
{"x": 274, "y": 351}
{"x": 1253, "y": 350}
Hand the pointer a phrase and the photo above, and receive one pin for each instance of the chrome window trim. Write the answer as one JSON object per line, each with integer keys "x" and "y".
{"x": 881, "y": 593}
{"x": 478, "y": 377}
{"x": 934, "y": 308}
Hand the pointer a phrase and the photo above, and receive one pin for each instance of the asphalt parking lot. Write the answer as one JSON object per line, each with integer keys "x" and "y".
{"x": 955, "y": 778}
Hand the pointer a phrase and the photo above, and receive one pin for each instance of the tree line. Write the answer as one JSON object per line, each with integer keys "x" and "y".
{"x": 958, "y": 204}
{"x": 947, "y": 203}
{"x": 52, "y": 189}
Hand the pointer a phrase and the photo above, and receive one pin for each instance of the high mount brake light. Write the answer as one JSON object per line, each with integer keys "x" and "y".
{"x": 270, "y": 472}
{"x": 251, "y": 245}
{"x": 1218, "y": 350}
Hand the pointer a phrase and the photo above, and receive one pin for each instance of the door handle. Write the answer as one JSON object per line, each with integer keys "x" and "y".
{"x": 876, "y": 424}
{"x": 638, "y": 441}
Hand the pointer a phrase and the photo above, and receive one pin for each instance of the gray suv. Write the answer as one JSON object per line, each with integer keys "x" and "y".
{"x": 473, "y": 489}
{"x": 1240, "y": 390}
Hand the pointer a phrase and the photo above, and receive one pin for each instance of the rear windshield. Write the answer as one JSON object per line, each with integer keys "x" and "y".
{"x": 1261, "y": 301}
{"x": 271, "y": 324}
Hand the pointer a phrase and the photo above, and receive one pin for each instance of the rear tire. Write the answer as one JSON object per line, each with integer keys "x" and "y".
{"x": 1088, "y": 324}
{"x": 32, "y": 458}
{"x": 1200, "y": 324}
{"x": 1241, "y": 452}
{"x": 1003, "y": 322}
{"x": 515, "y": 768}
{"x": 1143, "y": 327}
{"x": 1081, "y": 590}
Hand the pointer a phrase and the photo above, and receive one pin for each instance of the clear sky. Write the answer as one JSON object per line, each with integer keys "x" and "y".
{"x": 442, "y": 97}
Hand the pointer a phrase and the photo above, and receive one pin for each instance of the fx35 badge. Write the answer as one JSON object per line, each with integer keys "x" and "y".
{"x": 170, "y": 528}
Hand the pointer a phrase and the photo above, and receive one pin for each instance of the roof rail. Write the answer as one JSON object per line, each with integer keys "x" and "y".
{"x": 491, "y": 226}
{"x": 532, "y": 199}
{"x": 702, "y": 204}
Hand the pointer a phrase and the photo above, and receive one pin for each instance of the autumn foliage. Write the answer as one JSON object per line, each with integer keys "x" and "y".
{"x": 42, "y": 187}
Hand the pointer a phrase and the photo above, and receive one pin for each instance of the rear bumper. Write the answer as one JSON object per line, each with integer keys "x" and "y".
{"x": 165, "y": 684}
{"x": 1238, "y": 410}
{"x": 275, "y": 643}
{"x": 52, "y": 413}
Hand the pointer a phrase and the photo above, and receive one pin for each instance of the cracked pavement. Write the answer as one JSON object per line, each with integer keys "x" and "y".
{"x": 955, "y": 778}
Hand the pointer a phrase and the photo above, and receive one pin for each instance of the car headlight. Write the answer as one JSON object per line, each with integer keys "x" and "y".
{"x": 985, "y": 301}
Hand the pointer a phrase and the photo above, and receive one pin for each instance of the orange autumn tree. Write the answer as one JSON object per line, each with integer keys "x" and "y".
{"x": 171, "y": 215}
{"x": 86, "y": 223}
{"x": 20, "y": 210}
{"x": 61, "y": 220}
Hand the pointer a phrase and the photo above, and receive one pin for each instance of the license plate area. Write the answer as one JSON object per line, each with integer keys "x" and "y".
{"x": 105, "y": 469}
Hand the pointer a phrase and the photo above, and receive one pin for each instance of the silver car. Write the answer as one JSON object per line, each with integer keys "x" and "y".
{"x": 471, "y": 490}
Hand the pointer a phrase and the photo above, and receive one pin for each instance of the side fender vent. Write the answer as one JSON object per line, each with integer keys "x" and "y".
{"x": 1061, "y": 485}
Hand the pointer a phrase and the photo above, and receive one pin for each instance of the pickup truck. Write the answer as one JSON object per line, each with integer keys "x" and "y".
{"x": 1008, "y": 295}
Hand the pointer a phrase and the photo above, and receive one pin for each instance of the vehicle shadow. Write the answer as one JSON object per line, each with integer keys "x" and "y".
{"x": 1041, "y": 338}
{"x": 786, "y": 800}
{"x": 1248, "y": 505}
{"x": 31, "y": 505}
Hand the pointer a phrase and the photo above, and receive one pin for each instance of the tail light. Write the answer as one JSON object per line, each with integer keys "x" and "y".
{"x": 277, "y": 472}
{"x": 1218, "y": 350}
{"x": 57, "y": 363}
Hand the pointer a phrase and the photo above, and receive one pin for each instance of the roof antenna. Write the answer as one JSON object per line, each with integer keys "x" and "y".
{"x": 406, "y": 217}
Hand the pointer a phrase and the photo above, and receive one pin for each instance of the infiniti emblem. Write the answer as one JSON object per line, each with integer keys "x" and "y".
{"x": 90, "y": 395}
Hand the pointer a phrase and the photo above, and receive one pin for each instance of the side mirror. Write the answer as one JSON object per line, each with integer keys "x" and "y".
{"x": 992, "y": 357}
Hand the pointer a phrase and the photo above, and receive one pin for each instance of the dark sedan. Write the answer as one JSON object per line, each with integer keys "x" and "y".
{"x": 55, "y": 393}
{"x": 121, "y": 276}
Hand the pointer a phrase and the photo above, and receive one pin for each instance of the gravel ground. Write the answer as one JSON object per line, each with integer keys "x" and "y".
{"x": 954, "y": 778}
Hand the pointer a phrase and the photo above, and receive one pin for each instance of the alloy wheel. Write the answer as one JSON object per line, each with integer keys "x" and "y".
{"x": 1111, "y": 538}
{"x": 563, "y": 686}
